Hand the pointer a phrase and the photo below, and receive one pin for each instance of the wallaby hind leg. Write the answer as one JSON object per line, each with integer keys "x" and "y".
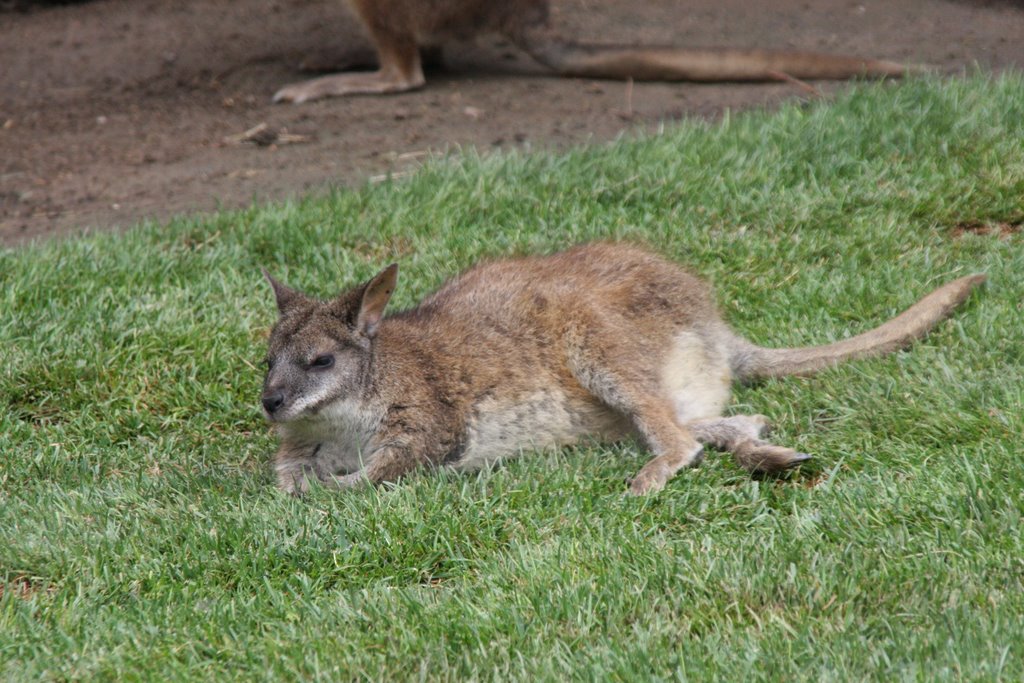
{"x": 674, "y": 446}
{"x": 741, "y": 436}
{"x": 624, "y": 389}
{"x": 400, "y": 70}
{"x": 725, "y": 432}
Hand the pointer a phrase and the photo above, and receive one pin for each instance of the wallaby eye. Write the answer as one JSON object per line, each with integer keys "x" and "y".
{"x": 322, "y": 362}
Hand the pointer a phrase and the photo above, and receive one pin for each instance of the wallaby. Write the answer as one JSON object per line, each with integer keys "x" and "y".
{"x": 400, "y": 28}
{"x": 602, "y": 341}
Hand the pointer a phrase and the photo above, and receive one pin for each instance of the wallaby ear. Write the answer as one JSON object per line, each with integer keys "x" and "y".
{"x": 285, "y": 295}
{"x": 376, "y": 295}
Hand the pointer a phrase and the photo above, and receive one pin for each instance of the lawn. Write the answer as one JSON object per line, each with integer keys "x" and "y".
{"x": 141, "y": 536}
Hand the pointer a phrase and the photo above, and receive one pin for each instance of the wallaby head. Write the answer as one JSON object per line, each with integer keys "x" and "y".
{"x": 320, "y": 351}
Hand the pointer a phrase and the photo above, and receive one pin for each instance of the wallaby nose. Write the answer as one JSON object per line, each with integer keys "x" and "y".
{"x": 272, "y": 402}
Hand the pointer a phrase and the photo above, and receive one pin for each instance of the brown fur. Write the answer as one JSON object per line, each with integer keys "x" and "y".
{"x": 400, "y": 28}
{"x": 600, "y": 341}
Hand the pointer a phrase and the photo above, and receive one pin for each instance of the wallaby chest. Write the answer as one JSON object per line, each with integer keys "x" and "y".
{"x": 338, "y": 440}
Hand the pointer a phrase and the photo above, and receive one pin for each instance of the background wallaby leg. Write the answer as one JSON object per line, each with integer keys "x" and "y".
{"x": 400, "y": 70}
{"x": 297, "y": 467}
{"x": 293, "y": 476}
{"x": 741, "y": 436}
{"x": 296, "y": 478}
{"x": 674, "y": 446}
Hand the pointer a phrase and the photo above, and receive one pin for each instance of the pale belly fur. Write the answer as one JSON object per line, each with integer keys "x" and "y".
{"x": 694, "y": 377}
{"x": 543, "y": 419}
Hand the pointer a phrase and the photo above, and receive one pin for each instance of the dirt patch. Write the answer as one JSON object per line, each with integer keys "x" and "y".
{"x": 25, "y": 588}
{"x": 113, "y": 111}
{"x": 1002, "y": 230}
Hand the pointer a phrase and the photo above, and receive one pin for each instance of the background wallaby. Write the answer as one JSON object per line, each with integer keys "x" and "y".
{"x": 399, "y": 28}
{"x": 600, "y": 341}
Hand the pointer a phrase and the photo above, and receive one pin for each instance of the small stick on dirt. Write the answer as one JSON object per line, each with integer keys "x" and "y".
{"x": 408, "y": 156}
{"x": 393, "y": 175}
{"x": 264, "y": 136}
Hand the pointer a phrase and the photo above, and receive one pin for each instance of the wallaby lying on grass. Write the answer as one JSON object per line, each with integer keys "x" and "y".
{"x": 399, "y": 28}
{"x": 600, "y": 341}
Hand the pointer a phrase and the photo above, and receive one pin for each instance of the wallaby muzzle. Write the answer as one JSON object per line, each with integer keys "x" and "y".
{"x": 272, "y": 401}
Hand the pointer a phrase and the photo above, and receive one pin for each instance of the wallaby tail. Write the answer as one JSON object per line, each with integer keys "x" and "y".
{"x": 751, "y": 362}
{"x": 695, "y": 64}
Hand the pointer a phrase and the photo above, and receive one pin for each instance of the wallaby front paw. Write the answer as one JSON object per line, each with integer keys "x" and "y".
{"x": 349, "y": 481}
{"x": 296, "y": 486}
{"x": 292, "y": 478}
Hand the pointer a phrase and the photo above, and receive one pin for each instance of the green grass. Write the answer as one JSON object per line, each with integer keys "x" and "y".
{"x": 141, "y": 536}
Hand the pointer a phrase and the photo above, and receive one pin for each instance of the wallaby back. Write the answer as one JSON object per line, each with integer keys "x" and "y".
{"x": 752, "y": 362}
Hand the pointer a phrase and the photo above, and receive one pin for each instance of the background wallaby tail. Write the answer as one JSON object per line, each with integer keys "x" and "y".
{"x": 754, "y": 362}
{"x": 696, "y": 64}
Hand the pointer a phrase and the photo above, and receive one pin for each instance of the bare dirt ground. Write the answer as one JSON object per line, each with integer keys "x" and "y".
{"x": 113, "y": 111}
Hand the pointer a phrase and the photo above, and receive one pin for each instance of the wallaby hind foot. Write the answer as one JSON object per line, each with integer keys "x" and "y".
{"x": 742, "y": 435}
{"x": 400, "y": 69}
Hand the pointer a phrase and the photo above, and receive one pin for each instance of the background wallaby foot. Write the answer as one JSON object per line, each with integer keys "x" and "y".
{"x": 357, "y": 83}
{"x": 294, "y": 481}
{"x": 400, "y": 69}
{"x": 656, "y": 473}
